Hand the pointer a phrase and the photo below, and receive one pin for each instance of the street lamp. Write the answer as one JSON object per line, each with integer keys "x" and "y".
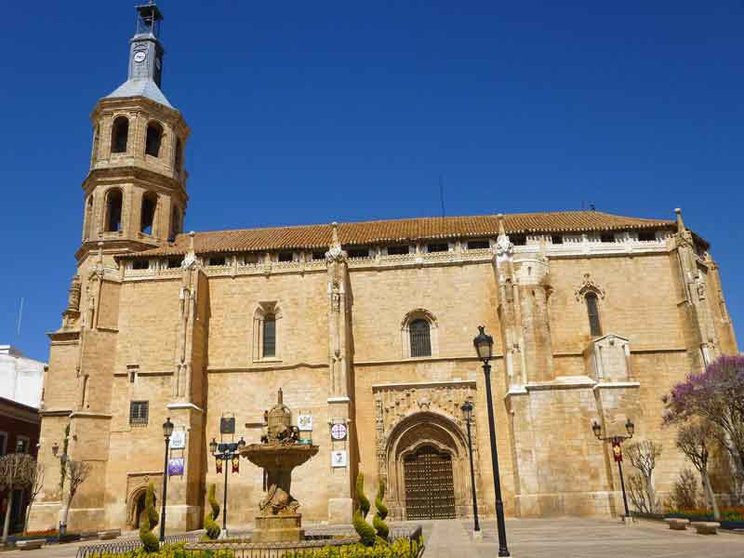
{"x": 617, "y": 452}
{"x": 63, "y": 463}
{"x": 467, "y": 415}
{"x": 484, "y": 347}
{"x": 167, "y": 431}
{"x": 225, "y": 451}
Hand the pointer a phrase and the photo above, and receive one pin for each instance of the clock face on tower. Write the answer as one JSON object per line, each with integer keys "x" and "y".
{"x": 140, "y": 56}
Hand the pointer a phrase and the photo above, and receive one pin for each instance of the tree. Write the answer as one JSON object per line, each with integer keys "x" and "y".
{"x": 642, "y": 455}
{"x": 35, "y": 485}
{"x": 75, "y": 472}
{"x": 148, "y": 519}
{"x": 716, "y": 394}
{"x": 694, "y": 440}
{"x": 684, "y": 494}
{"x": 210, "y": 519}
{"x": 16, "y": 471}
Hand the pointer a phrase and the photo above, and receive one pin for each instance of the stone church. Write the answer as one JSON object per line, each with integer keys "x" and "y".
{"x": 368, "y": 329}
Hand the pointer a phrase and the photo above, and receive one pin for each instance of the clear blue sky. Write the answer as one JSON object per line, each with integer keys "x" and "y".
{"x": 318, "y": 111}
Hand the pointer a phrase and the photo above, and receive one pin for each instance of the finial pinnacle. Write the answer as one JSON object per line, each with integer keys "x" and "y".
{"x": 680, "y": 223}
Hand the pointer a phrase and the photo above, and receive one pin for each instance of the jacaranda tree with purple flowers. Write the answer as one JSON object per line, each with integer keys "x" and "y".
{"x": 715, "y": 395}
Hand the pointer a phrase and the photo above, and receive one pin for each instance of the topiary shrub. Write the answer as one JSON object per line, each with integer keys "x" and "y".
{"x": 362, "y": 500}
{"x": 379, "y": 520}
{"x": 148, "y": 519}
{"x": 210, "y": 520}
{"x": 367, "y": 534}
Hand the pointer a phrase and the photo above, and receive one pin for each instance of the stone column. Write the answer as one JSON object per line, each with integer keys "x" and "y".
{"x": 340, "y": 380}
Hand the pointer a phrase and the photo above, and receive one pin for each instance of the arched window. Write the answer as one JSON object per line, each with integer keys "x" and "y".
{"x": 418, "y": 334}
{"x": 120, "y": 135}
{"x": 113, "y": 210}
{"x": 266, "y": 331}
{"x": 153, "y": 139}
{"x": 592, "y": 308}
{"x": 268, "y": 348}
{"x": 420, "y": 338}
{"x": 175, "y": 224}
{"x": 88, "y": 218}
{"x": 147, "y": 213}
{"x": 178, "y": 161}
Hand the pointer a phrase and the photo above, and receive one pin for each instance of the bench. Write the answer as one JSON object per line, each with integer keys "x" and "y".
{"x": 109, "y": 534}
{"x": 706, "y": 527}
{"x": 30, "y": 544}
{"x": 677, "y": 523}
{"x": 87, "y": 535}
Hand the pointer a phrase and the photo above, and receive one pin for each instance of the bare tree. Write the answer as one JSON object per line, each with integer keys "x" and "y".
{"x": 16, "y": 470}
{"x": 694, "y": 441}
{"x": 35, "y": 485}
{"x": 75, "y": 472}
{"x": 642, "y": 456}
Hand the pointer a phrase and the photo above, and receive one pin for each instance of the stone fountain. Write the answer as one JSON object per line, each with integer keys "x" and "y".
{"x": 278, "y": 454}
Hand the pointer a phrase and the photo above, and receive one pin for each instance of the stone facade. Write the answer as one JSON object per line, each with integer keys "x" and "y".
{"x": 185, "y": 324}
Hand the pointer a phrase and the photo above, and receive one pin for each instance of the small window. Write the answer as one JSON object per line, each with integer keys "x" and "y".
{"x": 478, "y": 244}
{"x": 285, "y": 256}
{"x": 173, "y": 263}
{"x": 592, "y": 307}
{"x": 647, "y": 236}
{"x": 3, "y": 442}
{"x": 319, "y": 255}
{"x": 557, "y": 238}
{"x": 216, "y": 260}
{"x": 607, "y": 237}
{"x": 358, "y": 252}
{"x": 138, "y": 412}
{"x": 113, "y": 210}
{"x": 147, "y": 214}
{"x": 269, "y": 336}
{"x": 153, "y": 139}
{"x": 23, "y": 444}
{"x": 437, "y": 247}
{"x": 518, "y": 239}
{"x": 141, "y": 264}
{"x": 249, "y": 259}
{"x": 398, "y": 250}
{"x": 420, "y": 338}
{"x": 120, "y": 135}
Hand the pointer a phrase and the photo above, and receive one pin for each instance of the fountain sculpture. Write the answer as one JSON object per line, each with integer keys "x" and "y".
{"x": 278, "y": 453}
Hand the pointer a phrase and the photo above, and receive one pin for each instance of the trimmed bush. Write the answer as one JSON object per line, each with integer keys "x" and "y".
{"x": 402, "y": 548}
{"x": 362, "y": 500}
{"x": 367, "y": 533}
{"x": 210, "y": 520}
{"x": 148, "y": 519}
{"x": 379, "y": 520}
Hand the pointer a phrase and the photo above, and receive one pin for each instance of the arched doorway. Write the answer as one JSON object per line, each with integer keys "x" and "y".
{"x": 137, "y": 505}
{"x": 429, "y": 482}
{"x": 426, "y": 468}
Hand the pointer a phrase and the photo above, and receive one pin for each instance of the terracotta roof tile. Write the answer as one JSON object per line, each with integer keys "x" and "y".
{"x": 403, "y": 230}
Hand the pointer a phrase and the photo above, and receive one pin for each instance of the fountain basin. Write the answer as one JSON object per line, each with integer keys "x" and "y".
{"x": 278, "y": 455}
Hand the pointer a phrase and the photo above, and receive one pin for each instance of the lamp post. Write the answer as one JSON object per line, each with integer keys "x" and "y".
{"x": 467, "y": 414}
{"x": 617, "y": 452}
{"x": 225, "y": 451}
{"x": 167, "y": 431}
{"x": 484, "y": 348}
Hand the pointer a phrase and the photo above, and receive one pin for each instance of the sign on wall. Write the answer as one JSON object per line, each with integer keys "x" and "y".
{"x": 339, "y": 431}
{"x": 175, "y": 466}
{"x": 178, "y": 439}
{"x": 338, "y": 458}
{"x": 305, "y": 422}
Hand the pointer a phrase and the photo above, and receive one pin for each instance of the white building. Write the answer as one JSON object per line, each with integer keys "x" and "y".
{"x": 21, "y": 378}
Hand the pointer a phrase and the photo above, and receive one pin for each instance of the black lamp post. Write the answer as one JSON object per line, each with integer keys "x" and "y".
{"x": 484, "y": 347}
{"x": 225, "y": 451}
{"x": 167, "y": 431}
{"x": 467, "y": 415}
{"x": 617, "y": 452}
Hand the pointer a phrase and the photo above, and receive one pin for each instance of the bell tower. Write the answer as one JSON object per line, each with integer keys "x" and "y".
{"x": 135, "y": 192}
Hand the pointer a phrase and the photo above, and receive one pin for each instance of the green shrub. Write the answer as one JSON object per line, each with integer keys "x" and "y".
{"x": 402, "y": 548}
{"x": 367, "y": 533}
{"x": 148, "y": 519}
{"x": 210, "y": 523}
{"x": 173, "y": 551}
{"x": 379, "y": 520}
{"x": 362, "y": 500}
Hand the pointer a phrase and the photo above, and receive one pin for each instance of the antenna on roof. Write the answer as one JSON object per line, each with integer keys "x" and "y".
{"x": 592, "y": 208}
{"x": 441, "y": 193}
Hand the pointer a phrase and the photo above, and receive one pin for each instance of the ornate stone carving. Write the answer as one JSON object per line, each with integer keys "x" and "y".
{"x": 503, "y": 247}
{"x": 589, "y": 285}
{"x": 73, "y": 296}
